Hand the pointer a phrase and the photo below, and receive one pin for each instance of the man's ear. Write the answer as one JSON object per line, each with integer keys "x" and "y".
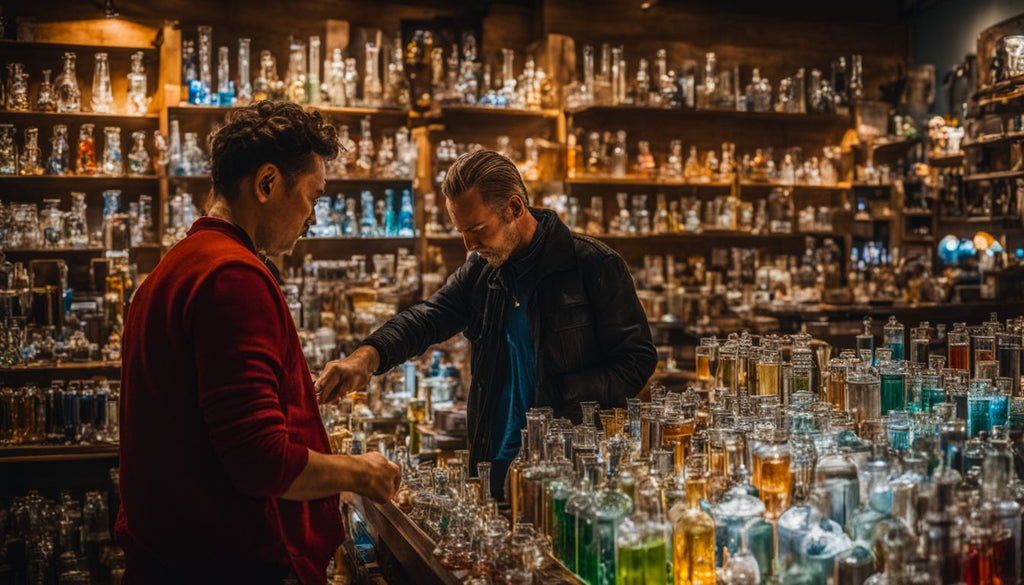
{"x": 517, "y": 205}
{"x": 267, "y": 177}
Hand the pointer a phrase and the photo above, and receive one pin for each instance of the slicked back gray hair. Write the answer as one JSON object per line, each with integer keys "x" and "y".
{"x": 496, "y": 177}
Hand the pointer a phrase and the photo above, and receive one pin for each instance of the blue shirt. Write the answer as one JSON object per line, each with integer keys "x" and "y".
{"x": 521, "y": 371}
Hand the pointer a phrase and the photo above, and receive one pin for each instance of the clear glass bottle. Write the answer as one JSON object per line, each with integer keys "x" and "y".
{"x": 69, "y": 97}
{"x": 262, "y": 88}
{"x": 204, "y": 91}
{"x": 313, "y": 74}
{"x": 693, "y": 545}
{"x": 642, "y": 548}
{"x": 244, "y": 86}
{"x": 372, "y": 89}
{"x": 58, "y": 162}
{"x": 397, "y": 93}
{"x": 138, "y": 101}
{"x": 102, "y": 93}
{"x": 85, "y": 164}
{"x": 175, "y": 156}
{"x": 138, "y": 158}
{"x": 76, "y": 223}
{"x": 31, "y": 162}
{"x": 295, "y": 78}
{"x": 364, "y": 162}
{"x": 113, "y": 164}
{"x": 610, "y": 506}
{"x": 194, "y": 159}
{"x": 759, "y": 93}
{"x": 894, "y": 338}
{"x": 336, "y": 79}
{"x": 406, "y": 227}
{"x": 47, "y": 99}
{"x": 225, "y": 86}
{"x": 51, "y": 224}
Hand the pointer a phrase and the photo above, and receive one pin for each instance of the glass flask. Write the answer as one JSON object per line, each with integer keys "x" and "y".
{"x": 610, "y": 506}
{"x": 406, "y": 228}
{"x": 893, "y": 382}
{"x": 8, "y": 150}
{"x": 58, "y": 162}
{"x": 202, "y": 93}
{"x": 642, "y": 548}
{"x": 113, "y": 164}
{"x": 863, "y": 393}
{"x": 46, "y": 100}
{"x": 76, "y": 223}
{"x": 244, "y": 86}
{"x": 959, "y": 347}
{"x": 85, "y": 164}
{"x": 262, "y": 87}
{"x": 69, "y": 97}
{"x": 17, "y": 89}
{"x": 31, "y": 162}
{"x": 893, "y": 338}
{"x": 920, "y": 339}
{"x": 102, "y": 93}
{"x": 138, "y": 158}
{"x": 138, "y": 100}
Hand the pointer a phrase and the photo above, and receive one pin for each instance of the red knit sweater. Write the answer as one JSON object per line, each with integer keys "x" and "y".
{"x": 217, "y": 413}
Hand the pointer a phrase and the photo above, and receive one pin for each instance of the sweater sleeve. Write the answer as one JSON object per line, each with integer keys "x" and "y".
{"x": 237, "y": 324}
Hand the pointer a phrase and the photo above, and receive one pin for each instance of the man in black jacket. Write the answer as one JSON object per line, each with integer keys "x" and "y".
{"x": 553, "y": 316}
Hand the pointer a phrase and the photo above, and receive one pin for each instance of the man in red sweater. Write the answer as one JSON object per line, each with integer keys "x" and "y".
{"x": 226, "y": 471}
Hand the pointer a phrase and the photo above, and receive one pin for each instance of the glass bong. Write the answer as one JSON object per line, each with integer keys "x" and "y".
{"x": 113, "y": 164}
{"x": 102, "y": 95}
{"x": 69, "y": 97}
{"x": 138, "y": 101}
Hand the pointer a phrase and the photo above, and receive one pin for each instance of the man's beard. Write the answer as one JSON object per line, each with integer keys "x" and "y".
{"x": 510, "y": 242}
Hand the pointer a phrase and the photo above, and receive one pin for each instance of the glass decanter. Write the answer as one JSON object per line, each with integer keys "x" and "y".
{"x": 102, "y": 93}
{"x": 69, "y": 97}
{"x": 85, "y": 164}
{"x": 113, "y": 164}
{"x": 58, "y": 162}
{"x": 138, "y": 158}
{"x": 31, "y": 156}
{"x": 47, "y": 100}
{"x": 8, "y": 150}
{"x": 138, "y": 101}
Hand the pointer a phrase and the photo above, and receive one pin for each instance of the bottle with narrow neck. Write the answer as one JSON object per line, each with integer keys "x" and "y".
{"x": 642, "y": 547}
{"x": 364, "y": 162}
{"x": 295, "y": 79}
{"x": 138, "y": 101}
{"x": 205, "y": 88}
{"x": 313, "y": 73}
{"x": 102, "y": 94}
{"x": 69, "y": 97}
{"x": 740, "y": 511}
{"x": 244, "y": 87}
{"x": 225, "y": 86}
{"x": 694, "y": 532}
{"x": 372, "y": 89}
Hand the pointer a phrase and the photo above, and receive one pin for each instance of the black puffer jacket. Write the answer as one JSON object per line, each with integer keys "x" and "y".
{"x": 590, "y": 334}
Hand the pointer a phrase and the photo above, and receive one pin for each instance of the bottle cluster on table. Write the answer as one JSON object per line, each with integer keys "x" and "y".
{"x": 789, "y": 465}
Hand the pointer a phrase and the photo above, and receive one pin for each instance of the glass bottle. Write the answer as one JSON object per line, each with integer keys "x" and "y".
{"x": 138, "y": 101}
{"x": 203, "y": 92}
{"x": 313, "y": 75}
{"x": 740, "y": 512}
{"x": 102, "y": 94}
{"x": 76, "y": 224}
{"x": 244, "y": 86}
{"x": 645, "y": 164}
{"x": 997, "y": 473}
{"x": 69, "y": 97}
{"x": 769, "y": 369}
{"x": 17, "y": 89}
{"x": 643, "y": 84}
{"x": 31, "y": 162}
{"x": 113, "y": 164}
{"x": 406, "y": 227}
{"x": 335, "y": 75}
{"x": 262, "y": 87}
{"x": 642, "y": 548}
{"x": 194, "y": 159}
{"x": 920, "y": 339}
{"x": 893, "y": 334}
{"x": 225, "y": 89}
{"x": 47, "y": 100}
{"x": 1008, "y": 354}
{"x": 372, "y": 89}
{"x": 176, "y": 160}
{"x": 351, "y": 81}
{"x": 759, "y": 93}
{"x": 368, "y": 222}
{"x": 58, "y": 162}
{"x": 295, "y": 78}
{"x": 893, "y": 382}
{"x": 86, "y": 161}
{"x": 138, "y": 158}
{"x": 693, "y": 544}
{"x": 515, "y": 472}
{"x": 609, "y": 508}
{"x": 959, "y": 342}
{"x": 364, "y": 162}
{"x": 856, "y": 78}
{"x": 618, "y": 162}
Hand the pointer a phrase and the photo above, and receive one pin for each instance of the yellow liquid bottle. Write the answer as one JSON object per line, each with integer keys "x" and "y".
{"x": 693, "y": 539}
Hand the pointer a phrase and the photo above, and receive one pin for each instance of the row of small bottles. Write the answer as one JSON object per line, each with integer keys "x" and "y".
{"x": 22, "y": 225}
{"x": 30, "y": 162}
{"x": 606, "y": 154}
{"x": 74, "y": 413}
{"x": 609, "y": 83}
{"x": 63, "y": 93}
{"x": 337, "y": 216}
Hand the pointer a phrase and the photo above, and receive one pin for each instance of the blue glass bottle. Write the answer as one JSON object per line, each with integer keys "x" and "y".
{"x": 898, "y": 430}
{"x": 406, "y": 227}
{"x": 368, "y": 222}
{"x": 979, "y": 415}
{"x": 390, "y": 221}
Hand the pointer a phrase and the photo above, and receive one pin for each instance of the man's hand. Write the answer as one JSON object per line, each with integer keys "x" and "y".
{"x": 381, "y": 477}
{"x": 348, "y": 375}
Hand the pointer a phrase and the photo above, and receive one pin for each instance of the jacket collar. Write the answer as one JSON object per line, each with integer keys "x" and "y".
{"x": 225, "y": 227}
{"x": 557, "y": 255}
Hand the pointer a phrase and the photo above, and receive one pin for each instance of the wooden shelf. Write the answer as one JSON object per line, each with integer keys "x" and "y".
{"x": 977, "y": 219}
{"x": 864, "y": 185}
{"x": 77, "y": 178}
{"x": 992, "y": 140}
{"x": 39, "y": 45}
{"x": 711, "y": 113}
{"x": 83, "y": 117}
{"x": 797, "y": 186}
{"x": 57, "y": 368}
{"x": 83, "y": 250}
{"x": 454, "y": 110}
{"x": 331, "y": 110}
{"x": 949, "y": 160}
{"x": 40, "y": 453}
{"x": 330, "y": 179}
{"x": 640, "y": 180}
{"x": 996, "y": 175}
{"x": 699, "y": 235}
{"x": 917, "y": 213}
{"x": 356, "y": 239}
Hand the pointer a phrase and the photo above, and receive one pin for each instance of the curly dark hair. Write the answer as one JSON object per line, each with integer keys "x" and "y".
{"x": 281, "y": 133}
